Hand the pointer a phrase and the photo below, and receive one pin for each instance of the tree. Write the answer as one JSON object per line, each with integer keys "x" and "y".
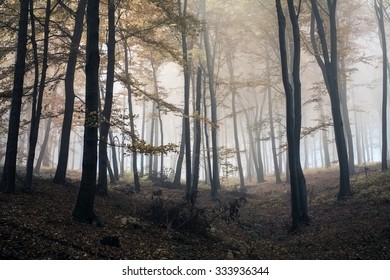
{"x": 44, "y": 145}
{"x": 271, "y": 124}
{"x": 215, "y": 183}
{"x": 60, "y": 174}
{"x": 84, "y": 208}
{"x": 37, "y": 92}
{"x": 293, "y": 113}
{"x": 233, "y": 90}
{"x": 379, "y": 12}
{"x": 131, "y": 116}
{"x": 9, "y": 171}
{"x": 186, "y": 130}
{"x": 197, "y": 136}
{"x": 106, "y": 113}
{"x": 329, "y": 64}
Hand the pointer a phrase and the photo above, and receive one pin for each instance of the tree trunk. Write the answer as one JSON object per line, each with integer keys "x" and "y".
{"x": 187, "y": 78}
{"x": 102, "y": 188}
{"x": 230, "y": 63}
{"x": 133, "y": 137}
{"x": 345, "y": 115}
{"x": 151, "y": 139}
{"x": 293, "y": 115}
{"x": 156, "y": 92}
{"x": 278, "y": 180}
{"x": 36, "y": 109}
{"x": 382, "y": 32}
{"x": 60, "y": 175}
{"x": 43, "y": 146}
{"x": 115, "y": 165}
{"x": 208, "y": 166}
{"x": 142, "y": 167}
{"x": 197, "y": 135}
{"x": 180, "y": 159}
{"x": 215, "y": 184}
{"x": 257, "y": 147}
{"x": 84, "y": 208}
{"x": 329, "y": 66}
{"x": 252, "y": 146}
{"x": 9, "y": 171}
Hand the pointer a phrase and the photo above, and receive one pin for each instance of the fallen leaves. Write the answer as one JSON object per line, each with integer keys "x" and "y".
{"x": 39, "y": 226}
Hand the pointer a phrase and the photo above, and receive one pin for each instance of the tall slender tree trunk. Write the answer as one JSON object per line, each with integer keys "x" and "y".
{"x": 60, "y": 175}
{"x": 208, "y": 167}
{"x": 329, "y": 67}
{"x": 38, "y": 95}
{"x": 293, "y": 114}
{"x": 252, "y": 146}
{"x": 197, "y": 136}
{"x": 180, "y": 159}
{"x": 230, "y": 63}
{"x": 382, "y": 32}
{"x": 151, "y": 138}
{"x": 142, "y": 164}
{"x": 156, "y": 92}
{"x": 215, "y": 184}
{"x": 187, "y": 78}
{"x": 272, "y": 128}
{"x": 102, "y": 188}
{"x": 84, "y": 208}
{"x": 133, "y": 136}
{"x": 358, "y": 139}
{"x": 115, "y": 165}
{"x": 257, "y": 155}
{"x": 9, "y": 171}
{"x": 345, "y": 115}
{"x": 44, "y": 145}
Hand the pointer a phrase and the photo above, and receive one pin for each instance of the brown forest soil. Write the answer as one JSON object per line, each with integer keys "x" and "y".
{"x": 154, "y": 224}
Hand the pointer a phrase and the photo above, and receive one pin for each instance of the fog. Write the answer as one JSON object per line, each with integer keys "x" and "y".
{"x": 246, "y": 33}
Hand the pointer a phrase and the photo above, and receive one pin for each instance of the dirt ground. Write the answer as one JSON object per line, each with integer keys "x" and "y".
{"x": 157, "y": 223}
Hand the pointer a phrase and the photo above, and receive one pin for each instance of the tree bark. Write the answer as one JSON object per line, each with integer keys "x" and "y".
{"x": 60, "y": 175}
{"x": 9, "y": 171}
{"x": 278, "y": 179}
{"x": 102, "y": 188}
{"x": 37, "y": 96}
{"x": 187, "y": 78}
{"x": 345, "y": 115}
{"x": 293, "y": 115}
{"x": 329, "y": 66}
{"x": 215, "y": 184}
{"x": 233, "y": 90}
{"x": 133, "y": 137}
{"x": 84, "y": 208}
{"x": 197, "y": 140}
{"x": 382, "y": 32}
{"x": 43, "y": 146}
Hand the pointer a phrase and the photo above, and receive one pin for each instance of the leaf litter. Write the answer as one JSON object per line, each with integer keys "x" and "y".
{"x": 40, "y": 226}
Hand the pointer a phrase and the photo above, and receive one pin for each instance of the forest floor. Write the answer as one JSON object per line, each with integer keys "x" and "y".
{"x": 157, "y": 224}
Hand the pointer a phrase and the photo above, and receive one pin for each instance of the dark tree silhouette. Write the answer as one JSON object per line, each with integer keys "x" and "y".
{"x": 198, "y": 137}
{"x": 37, "y": 92}
{"x": 106, "y": 113}
{"x": 84, "y": 208}
{"x": 378, "y": 4}
{"x": 60, "y": 175}
{"x": 293, "y": 113}
{"x": 215, "y": 182}
{"x": 329, "y": 65}
{"x": 9, "y": 172}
